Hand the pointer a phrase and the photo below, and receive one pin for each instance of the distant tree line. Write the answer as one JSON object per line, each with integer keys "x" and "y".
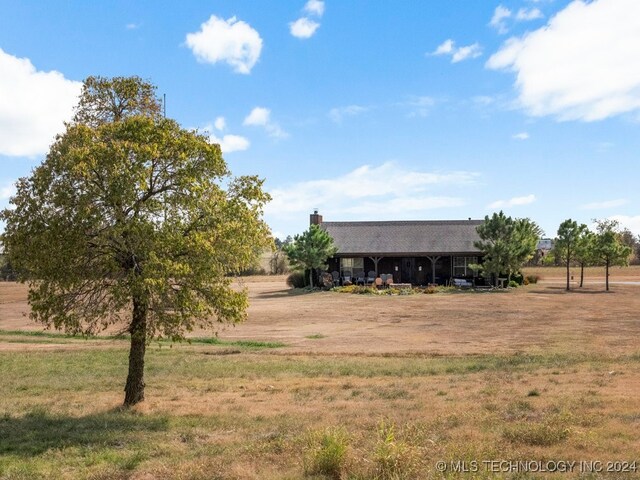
{"x": 576, "y": 245}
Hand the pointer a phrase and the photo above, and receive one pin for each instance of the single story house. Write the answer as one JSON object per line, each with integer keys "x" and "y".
{"x": 416, "y": 252}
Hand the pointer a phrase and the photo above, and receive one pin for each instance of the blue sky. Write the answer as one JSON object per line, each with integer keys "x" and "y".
{"x": 366, "y": 110}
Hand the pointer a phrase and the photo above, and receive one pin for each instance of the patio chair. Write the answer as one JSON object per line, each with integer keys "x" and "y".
{"x": 379, "y": 283}
{"x": 371, "y": 277}
{"x": 389, "y": 280}
{"x": 336, "y": 278}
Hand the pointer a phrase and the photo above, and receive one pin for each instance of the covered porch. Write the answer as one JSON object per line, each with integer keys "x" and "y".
{"x": 417, "y": 270}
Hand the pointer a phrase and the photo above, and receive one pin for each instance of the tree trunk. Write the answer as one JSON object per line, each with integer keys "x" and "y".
{"x": 581, "y": 274}
{"x": 134, "y": 389}
{"x": 568, "y": 274}
{"x": 311, "y": 277}
{"x": 606, "y": 273}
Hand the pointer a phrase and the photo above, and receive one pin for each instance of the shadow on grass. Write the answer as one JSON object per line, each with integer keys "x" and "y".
{"x": 39, "y": 431}
{"x": 563, "y": 290}
{"x": 288, "y": 292}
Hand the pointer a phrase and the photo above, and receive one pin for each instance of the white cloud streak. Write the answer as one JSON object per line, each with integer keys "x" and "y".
{"x": 7, "y": 191}
{"x": 371, "y": 191}
{"x": 605, "y": 204}
{"x": 591, "y": 49}
{"x": 512, "y": 202}
{"x": 338, "y": 113}
{"x": 33, "y": 106}
{"x": 520, "y": 136}
{"x": 231, "y": 41}
{"x": 528, "y": 14}
{"x": 628, "y": 221}
{"x": 457, "y": 54}
{"x": 261, "y": 117}
{"x": 500, "y": 14}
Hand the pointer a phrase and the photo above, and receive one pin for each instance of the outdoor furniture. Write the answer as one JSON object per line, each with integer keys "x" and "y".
{"x": 371, "y": 277}
{"x": 461, "y": 283}
{"x": 389, "y": 280}
{"x": 379, "y": 283}
{"x": 336, "y": 278}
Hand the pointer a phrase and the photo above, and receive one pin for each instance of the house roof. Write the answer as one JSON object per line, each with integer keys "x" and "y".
{"x": 404, "y": 238}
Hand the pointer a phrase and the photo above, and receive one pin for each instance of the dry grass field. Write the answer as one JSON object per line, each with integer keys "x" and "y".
{"x": 333, "y": 385}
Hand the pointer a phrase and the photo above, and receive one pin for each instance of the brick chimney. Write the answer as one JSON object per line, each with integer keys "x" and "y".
{"x": 315, "y": 218}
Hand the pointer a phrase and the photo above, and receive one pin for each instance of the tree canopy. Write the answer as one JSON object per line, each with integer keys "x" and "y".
{"x": 608, "y": 246}
{"x": 310, "y": 250}
{"x": 133, "y": 220}
{"x": 567, "y": 244}
{"x": 506, "y": 243}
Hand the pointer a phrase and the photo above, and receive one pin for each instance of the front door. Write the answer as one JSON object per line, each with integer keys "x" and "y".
{"x": 408, "y": 269}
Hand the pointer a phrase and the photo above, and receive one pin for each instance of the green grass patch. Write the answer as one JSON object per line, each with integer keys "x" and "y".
{"x": 26, "y": 336}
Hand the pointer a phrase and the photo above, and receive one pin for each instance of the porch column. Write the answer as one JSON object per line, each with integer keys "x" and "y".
{"x": 433, "y": 260}
{"x": 375, "y": 261}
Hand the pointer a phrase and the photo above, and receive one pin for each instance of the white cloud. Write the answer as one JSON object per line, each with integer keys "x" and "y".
{"x": 220, "y": 123}
{"x": 261, "y": 117}
{"x": 582, "y": 65}
{"x": 630, "y": 222}
{"x": 132, "y": 26}
{"x": 303, "y": 28}
{"x": 232, "y": 41}
{"x": 228, "y": 143}
{"x": 258, "y": 116}
{"x": 498, "y": 20}
{"x": 33, "y": 106}
{"x": 7, "y": 191}
{"x": 338, "y": 113}
{"x": 483, "y": 100}
{"x": 386, "y": 190}
{"x": 605, "y": 204}
{"x": 520, "y": 136}
{"x": 444, "y": 48}
{"x": 314, "y": 7}
{"x": 527, "y": 14}
{"x": 512, "y": 202}
{"x": 420, "y": 106}
{"x": 457, "y": 53}
{"x": 470, "y": 51}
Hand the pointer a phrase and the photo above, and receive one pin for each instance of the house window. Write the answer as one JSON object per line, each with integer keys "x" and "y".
{"x": 349, "y": 266}
{"x": 461, "y": 266}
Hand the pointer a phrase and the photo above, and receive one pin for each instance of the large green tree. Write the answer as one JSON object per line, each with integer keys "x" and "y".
{"x": 133, "y": 220}
{"x": 609, "y": 248}
{"x": 566, "y": 245}
{"x": 506, "y": 243}
{"x": 310, "y": 250}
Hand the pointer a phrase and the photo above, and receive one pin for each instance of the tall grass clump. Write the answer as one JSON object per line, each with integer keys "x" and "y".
{"x": 326, "y": 452}
{"x": 393, "y": 459}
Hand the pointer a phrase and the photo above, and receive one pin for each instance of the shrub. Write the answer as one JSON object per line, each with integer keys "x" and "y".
{"x": 513, "y": 284}
{"x": 430, "y": 289}
{"x": 532, "y": 278}
{"x": 326, "y": 452}
{"x": 296, "y": 280}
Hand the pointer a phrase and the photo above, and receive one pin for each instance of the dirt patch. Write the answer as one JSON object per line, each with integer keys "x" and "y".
{"x": 531, "y": 319}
